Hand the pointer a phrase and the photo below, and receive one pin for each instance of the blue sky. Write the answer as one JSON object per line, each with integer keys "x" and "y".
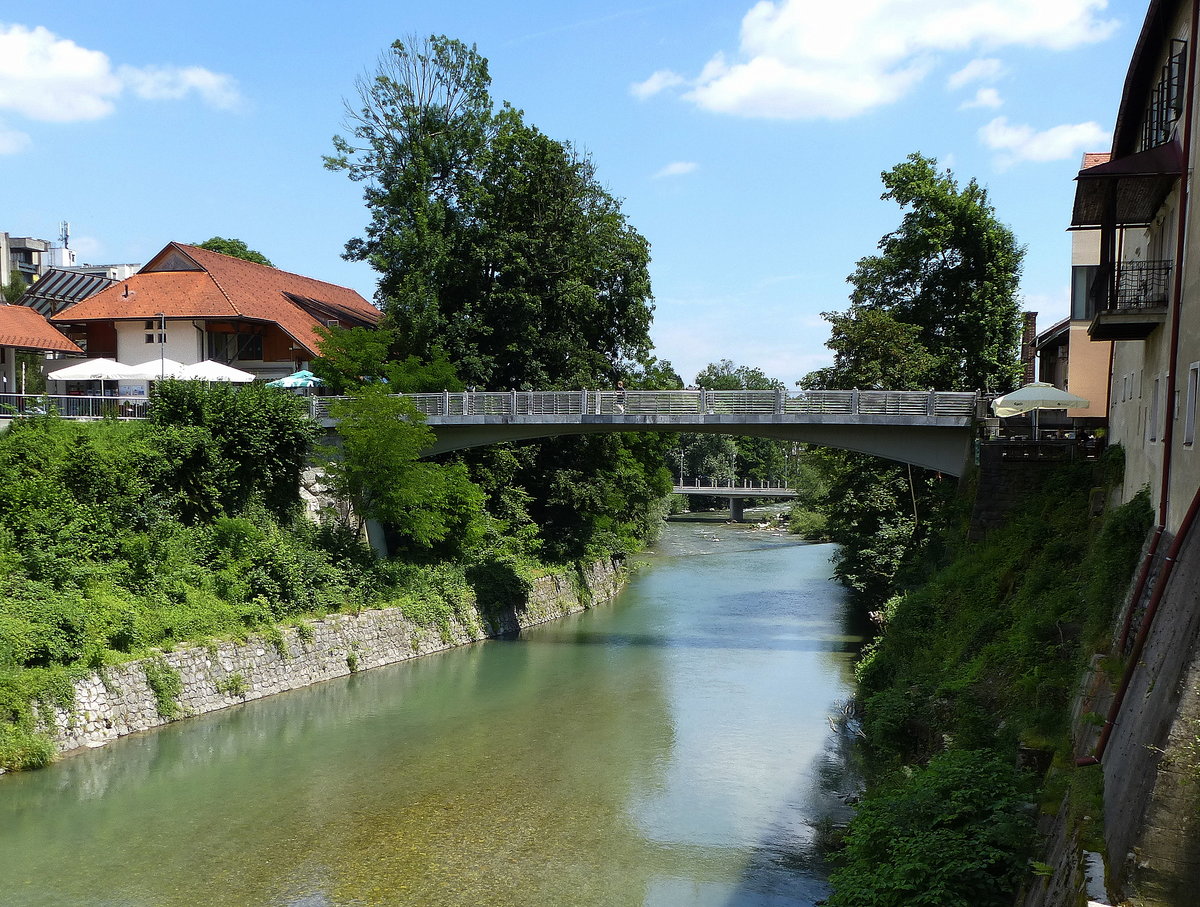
{"x": 746, "y": 139}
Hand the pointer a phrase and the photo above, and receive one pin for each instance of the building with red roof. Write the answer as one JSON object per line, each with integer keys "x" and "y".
{"x": 21, "y": 329}
{"x": 190, "y": 304}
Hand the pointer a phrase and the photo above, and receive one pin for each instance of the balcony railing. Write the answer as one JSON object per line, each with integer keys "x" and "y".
{"x": 1132, "y": 286}
{"x": 1130, "y": 299}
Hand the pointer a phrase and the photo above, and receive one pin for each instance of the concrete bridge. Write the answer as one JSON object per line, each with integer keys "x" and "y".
{"x": 736, "y": 492}
{"x": 929, "y": 429}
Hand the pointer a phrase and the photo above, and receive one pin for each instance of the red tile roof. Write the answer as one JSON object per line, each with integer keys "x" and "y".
{"x": 25, "y": 329}
{"x": 185, "y": 281}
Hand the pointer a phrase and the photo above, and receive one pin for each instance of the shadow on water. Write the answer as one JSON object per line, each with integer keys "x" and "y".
{"x": 745, "y": 641}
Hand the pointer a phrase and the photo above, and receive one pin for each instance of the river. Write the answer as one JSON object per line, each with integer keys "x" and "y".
{"x": 674, "y": 747}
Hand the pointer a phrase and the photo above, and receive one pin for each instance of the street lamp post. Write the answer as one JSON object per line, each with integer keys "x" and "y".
{"x": 162, "y": 344}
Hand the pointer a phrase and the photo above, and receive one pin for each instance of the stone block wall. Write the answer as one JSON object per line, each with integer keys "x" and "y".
{"x": 120, "y": 700}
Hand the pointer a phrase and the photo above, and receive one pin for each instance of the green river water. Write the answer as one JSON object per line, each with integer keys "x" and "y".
{"x": 673, "y": 747}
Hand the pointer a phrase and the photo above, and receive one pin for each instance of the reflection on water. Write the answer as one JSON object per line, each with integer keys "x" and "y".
{"x": 672, "y": 748}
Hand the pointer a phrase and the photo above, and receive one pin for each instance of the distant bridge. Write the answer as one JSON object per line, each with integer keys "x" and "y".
{"x": 929, "y": 429}
{"x": 735, "y": 492}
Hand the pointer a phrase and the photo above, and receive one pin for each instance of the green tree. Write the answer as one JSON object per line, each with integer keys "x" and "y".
{"x": 15, "y": 288}
{"x": 262, "y": 437}
{"x": 494, "y": 242}
{"x": 953, "y": 834}
{"x": 871, "y": 349}
{"x": 236, "y": 248}
{"x": 752, "y": 458}
{"x": 953, "y": 270}
{"x": 378, "y": 471}
{"x": 498, "y": 247}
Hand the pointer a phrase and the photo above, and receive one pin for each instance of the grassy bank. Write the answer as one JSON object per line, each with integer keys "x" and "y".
{"x": 966, "y": 695}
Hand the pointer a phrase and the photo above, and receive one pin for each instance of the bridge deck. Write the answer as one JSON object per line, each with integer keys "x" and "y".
{"x": 929, "y": 429}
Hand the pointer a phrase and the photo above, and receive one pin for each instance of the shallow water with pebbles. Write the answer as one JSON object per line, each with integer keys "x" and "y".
{"x": 673, "y": 747}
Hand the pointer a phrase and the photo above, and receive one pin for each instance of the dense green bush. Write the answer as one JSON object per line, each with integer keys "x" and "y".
{"x": 951, "y": 834}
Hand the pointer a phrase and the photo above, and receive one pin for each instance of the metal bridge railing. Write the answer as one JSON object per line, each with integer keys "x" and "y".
{"x": 570, "y": 403}
{"x": 73, "y": 407}
{"x": 685, "y": 402}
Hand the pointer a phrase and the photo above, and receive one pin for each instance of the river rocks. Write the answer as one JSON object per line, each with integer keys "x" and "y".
{"x": 134, "y": 696}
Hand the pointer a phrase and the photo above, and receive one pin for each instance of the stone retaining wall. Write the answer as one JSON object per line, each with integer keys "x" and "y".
{"x": 119, "y": 700}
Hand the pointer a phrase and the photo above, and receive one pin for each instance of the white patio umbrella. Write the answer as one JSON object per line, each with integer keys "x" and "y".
{"x": 92, "y": 370}
{"x": 1033, "y": 397}
{"x": 153, "y": 369}
{"x": 211, "y": 370}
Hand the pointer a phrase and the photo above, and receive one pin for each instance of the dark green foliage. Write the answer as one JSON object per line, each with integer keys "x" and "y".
{"x": 953, "y": 834}
{"x": 236, "y": 248}
{"x": 975, "y": 664}
{"x": 14, "y": 289}
{"x": 495, "y": 243}
{"x": 1000, "y": 631}
{"x": 936, "y": 309}
{"x": 952, "y": 269}
{"x": 260, "y": 438}
{"x": 501, "y": 254}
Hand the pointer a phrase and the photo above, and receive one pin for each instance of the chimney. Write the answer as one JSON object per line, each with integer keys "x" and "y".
{"x": 1029, "y": 348}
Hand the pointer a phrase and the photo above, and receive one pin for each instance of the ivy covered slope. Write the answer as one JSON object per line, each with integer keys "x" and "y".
{"x": 971, "y": 668}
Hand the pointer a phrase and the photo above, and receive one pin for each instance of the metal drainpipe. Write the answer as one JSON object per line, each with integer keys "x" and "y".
{"x": 1139, "y": 643}
{"x": 1164, "y": 496}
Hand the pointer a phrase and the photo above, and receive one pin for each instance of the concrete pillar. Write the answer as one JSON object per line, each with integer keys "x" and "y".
{"x": 737, "y": 509}
{"x": 376, "y": 537}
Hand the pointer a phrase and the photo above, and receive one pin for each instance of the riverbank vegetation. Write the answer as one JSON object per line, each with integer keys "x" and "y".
{"x": 504, "y": 264}
{"x": 966, "y": 695}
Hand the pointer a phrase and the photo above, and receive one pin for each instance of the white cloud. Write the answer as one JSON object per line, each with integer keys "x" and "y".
{"x": 1024, "y": 143}
{"x": 985, "y": 97}
{"x": 12, "y": 141}
{"x": 659, "y": 81}
{"x": 987, "y": 69}
{"x": 45, "y": 77}
{"x": 677, "y": 168}
{"x": 812, "y": 59}
{"x": 170, "y": 83}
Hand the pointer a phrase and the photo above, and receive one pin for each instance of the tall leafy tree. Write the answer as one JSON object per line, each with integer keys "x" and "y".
{"x": 235, "y": 248}
{"x": 498, "y": 249}
{"x": 14, "y": 289}
{"x": 937, "y": 308}
{"x": 494, "y": 242}
{"x": 953, "y": 270}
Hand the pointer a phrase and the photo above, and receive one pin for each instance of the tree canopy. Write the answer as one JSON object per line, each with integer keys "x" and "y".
{"x": 495, "y": 243}
{"x": 936, "y": 308}
{"x": 952, "y": 270}
{"x": 503, "y": 264}
{"x": 236, "y": 248}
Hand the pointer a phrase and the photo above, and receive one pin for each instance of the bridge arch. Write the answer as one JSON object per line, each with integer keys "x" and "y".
{"x": 932, "y": 430}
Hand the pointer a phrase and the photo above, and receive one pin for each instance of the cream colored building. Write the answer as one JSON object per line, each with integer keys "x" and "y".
{"x": 1146, "y": 294}
{"x": 1067, "y": 357}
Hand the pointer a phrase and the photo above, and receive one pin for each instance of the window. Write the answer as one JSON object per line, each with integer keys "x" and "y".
{"x": 1166, "y": 98}
{"x": 1152, "y": 421}
{"x": 155, "y": 332}
{"x": 1083, "y": 307}
{"x": 1189, "y": 412}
